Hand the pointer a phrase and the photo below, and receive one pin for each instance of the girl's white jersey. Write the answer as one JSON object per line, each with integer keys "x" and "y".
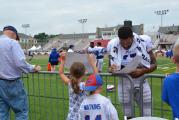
{"x": 97, "y": 107}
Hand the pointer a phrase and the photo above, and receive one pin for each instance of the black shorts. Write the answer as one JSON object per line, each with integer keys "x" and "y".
{"x": 54, "y": 63}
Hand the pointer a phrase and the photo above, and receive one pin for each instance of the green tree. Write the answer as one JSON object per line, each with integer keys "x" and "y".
{"x": 41, "y": 37}
{"x": 51, "y": 36}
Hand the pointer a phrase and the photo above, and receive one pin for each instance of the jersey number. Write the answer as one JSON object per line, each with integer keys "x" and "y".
{"x": 98, "y": 117}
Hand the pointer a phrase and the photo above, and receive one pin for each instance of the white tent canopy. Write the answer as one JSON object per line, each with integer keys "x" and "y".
{"x": 39, "y": 47}
{"x": 33, "y": 48}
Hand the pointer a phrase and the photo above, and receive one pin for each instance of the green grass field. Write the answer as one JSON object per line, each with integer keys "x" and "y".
{"x": 48, "y": 96}
{"x": 164, "y": 64}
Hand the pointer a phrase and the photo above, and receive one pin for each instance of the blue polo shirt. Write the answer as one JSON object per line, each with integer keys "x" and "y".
{"x": 170, "y": 93}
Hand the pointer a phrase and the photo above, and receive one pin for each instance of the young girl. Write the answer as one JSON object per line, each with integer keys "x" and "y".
{"x": 75, "y": 84}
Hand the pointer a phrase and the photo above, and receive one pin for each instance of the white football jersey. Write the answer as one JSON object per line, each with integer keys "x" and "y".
{"x": 99, "y": 51}
{"x": 90, "y": 50}
{"x": 121, "y": 56}
{"x": 70, "y": 50}
{"x": 97, "y": 107}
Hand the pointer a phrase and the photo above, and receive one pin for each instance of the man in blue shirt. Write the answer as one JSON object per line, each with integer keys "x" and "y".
{"x": 12, "y": 64}
{"x": 53, "y": 58}
{"x": 170, "y": 93}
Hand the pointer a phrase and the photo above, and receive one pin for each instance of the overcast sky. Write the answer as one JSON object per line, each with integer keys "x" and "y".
{"x": 61, "y": 16}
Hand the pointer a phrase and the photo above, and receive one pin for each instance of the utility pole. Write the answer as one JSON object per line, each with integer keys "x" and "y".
{"x": 82, "y": 21}
{"x": 25, "y": 26}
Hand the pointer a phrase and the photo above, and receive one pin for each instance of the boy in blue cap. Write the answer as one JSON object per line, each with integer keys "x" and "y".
{"x": 95, "y": 106}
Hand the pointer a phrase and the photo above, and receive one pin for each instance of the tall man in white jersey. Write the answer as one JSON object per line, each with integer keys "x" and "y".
{"x": 95, "y": 106}
{"x": 122, "y": 50}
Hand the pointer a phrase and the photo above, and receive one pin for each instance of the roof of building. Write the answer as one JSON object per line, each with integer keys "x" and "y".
{"x": 21, "y": 35}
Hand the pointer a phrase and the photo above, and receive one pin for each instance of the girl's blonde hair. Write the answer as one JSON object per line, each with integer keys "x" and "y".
{"x": 77, "y": 70}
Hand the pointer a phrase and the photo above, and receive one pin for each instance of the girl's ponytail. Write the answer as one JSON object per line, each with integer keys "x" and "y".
{"x": 75, "y": 86}
{"x": 77, "y": 70}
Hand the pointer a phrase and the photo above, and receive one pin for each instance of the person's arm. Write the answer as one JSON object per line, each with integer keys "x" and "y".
{"x": 58, "y": 55}
{"x": 65, "y": 79}
{"x": 153, "y": 64}
{"x": 20, "y": 60}
{"x": 49, "y": 59}
{"x": 149, "y": 48}
{"x": 110, "y": 68}
{"x": 87, "y": 50}
{"x": 92, "y": 63}
{"x": 141, "y": 71}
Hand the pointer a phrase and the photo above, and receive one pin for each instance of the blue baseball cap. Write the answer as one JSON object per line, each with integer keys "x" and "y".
{"x": 13, "y": 29}
{"x": 93, "y": 82}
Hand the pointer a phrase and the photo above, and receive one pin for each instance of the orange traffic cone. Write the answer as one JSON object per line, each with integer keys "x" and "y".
{"x": 48, "y": 67}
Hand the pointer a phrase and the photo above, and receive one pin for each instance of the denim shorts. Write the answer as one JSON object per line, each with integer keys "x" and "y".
{"x": 13, "y": 96}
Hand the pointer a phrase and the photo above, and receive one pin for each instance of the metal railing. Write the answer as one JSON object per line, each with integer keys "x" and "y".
{"x": 48, "y": 95}
{"x": 158, "y": 108}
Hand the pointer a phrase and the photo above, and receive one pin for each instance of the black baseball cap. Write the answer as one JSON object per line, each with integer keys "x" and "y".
{"x": 71, "y": 46}
{"x": 13, "y": 29}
